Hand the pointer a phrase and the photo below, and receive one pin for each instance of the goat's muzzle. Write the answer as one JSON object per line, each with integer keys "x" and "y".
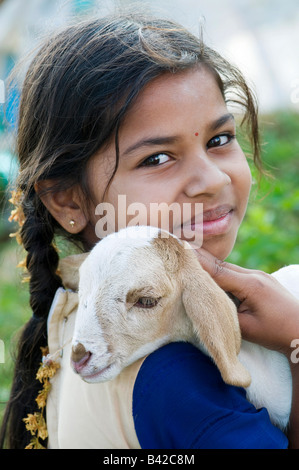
{"x": 80, "y": 357}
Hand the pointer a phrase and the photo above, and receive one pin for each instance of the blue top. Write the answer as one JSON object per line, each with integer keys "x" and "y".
{"x": 181, "y": 402}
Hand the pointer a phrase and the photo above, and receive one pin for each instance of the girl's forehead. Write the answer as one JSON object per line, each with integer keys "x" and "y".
{"x": 191, "y": 82}
{"x": 171, "y": 98}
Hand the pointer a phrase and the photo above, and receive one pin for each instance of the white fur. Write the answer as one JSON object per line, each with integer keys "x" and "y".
{"x": 118, "y": 333}
{"x": 271, "y": 384}
{"x": 148, "y": 348}
{"x": 102, "y": 294}
{"x": 271, "y": 381}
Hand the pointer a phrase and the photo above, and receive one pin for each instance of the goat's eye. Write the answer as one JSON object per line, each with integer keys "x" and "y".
{"x": 146, "y": 302}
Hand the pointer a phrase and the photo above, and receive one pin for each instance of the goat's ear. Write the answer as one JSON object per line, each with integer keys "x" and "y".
{"x": 68, "y": 269}
{"x": 214, "y": 319}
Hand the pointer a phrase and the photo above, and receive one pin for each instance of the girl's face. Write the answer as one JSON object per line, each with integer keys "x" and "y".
{"x": 177, "y": 145}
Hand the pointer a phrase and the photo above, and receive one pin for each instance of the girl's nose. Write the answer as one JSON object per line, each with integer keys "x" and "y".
{"x": 205, "y": 177}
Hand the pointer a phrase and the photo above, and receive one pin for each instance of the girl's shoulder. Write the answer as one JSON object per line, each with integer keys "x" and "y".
{"x": 183, "y": 365}
{"x": 181, "y": 401}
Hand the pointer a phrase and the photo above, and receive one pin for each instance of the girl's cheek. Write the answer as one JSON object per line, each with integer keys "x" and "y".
{"x": 241, "y": 175}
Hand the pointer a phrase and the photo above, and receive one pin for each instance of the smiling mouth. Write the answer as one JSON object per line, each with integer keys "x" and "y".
{"x": 219, "y": 225}
{"x": 211, "y": 222}
{"x": 217, "y": 213}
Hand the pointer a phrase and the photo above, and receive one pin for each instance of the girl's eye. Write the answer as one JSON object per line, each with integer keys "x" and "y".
{"x": 220, "y": 140}
{"x": 146, "y": 302}
{"x": 155, "y": 160}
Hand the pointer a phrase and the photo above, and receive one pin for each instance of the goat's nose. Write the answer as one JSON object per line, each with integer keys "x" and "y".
{"x": 79, "y": 357}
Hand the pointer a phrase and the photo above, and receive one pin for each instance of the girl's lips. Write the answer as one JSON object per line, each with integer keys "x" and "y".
{"x": 217, "y": 226}
{"x": 216, "y": 213}
{"x": 213, "y": 222}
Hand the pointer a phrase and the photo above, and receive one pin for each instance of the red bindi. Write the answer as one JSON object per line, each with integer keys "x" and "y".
{"x": 196, "y": 133}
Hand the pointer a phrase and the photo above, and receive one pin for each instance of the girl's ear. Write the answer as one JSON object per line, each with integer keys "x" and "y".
{"x": 66, "y": 206}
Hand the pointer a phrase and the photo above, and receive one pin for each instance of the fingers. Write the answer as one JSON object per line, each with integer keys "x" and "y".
{"x": 215, "y": 266}
{"x": 268, "y": 312}
{"x": 249, "y": 326}
{"x": 228, "y": 276}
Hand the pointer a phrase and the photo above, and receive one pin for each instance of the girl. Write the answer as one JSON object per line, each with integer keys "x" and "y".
{"x": 137, "y": 106}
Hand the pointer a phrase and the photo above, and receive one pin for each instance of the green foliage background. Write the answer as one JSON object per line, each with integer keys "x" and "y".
{"x": 268, "y": 237}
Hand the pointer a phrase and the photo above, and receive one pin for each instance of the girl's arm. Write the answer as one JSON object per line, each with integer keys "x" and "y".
{"x": 268, "y": 315}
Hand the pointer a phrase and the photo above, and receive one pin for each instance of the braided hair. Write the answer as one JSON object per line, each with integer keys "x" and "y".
{"x": 75, "y": 95}
{"x": 37, "y": 235}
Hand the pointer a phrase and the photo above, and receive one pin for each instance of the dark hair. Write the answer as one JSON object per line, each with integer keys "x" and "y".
{"x": 76, "y": 93}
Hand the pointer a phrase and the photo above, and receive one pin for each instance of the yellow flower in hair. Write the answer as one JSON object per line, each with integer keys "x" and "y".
{"x": 22, "y": 264}
{"x": 44, "y": 350}
{"x": 16, "y": 197}
{"x": 31, "y": 422}
{"x": 31, "y": 444}
{"x": 35, "y": 444}
{"x": 35, "y": 423}
{"x": 42, "y": 396}
{"x": 42, "y": 428}
{"x": 17, "y": 214}
{"x": 18, "y": 237}
{"x": 47, "y": 370}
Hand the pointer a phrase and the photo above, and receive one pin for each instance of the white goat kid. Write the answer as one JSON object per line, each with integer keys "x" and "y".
{"x": 142, "y": 288}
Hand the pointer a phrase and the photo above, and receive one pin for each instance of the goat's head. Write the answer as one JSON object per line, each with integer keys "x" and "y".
{"x": 141, "y": 288}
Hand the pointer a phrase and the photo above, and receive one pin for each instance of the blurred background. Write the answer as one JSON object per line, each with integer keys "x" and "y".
{"x": 259, "y": 36}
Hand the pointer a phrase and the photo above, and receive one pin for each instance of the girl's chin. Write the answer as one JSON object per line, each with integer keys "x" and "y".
{"x": 221, "y": 249}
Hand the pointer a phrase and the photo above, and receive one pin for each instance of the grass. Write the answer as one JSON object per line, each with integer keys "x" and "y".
{"x": 14, "y": 312}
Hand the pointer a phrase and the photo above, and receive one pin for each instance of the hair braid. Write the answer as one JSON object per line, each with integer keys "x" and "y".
{"x": 42, "y": 259}
{"x": 37, "y": 235}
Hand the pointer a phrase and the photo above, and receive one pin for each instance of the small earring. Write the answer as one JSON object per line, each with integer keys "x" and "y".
{"x": 72, "y": 223}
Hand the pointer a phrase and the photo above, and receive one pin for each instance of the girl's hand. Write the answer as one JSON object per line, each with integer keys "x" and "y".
{"x": 268, "y": 313}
